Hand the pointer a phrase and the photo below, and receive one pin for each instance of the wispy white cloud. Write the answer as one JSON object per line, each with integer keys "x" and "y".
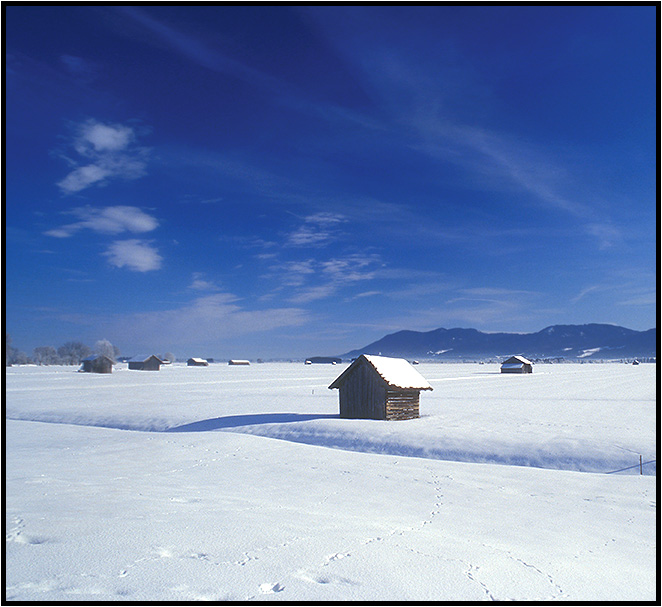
{"x": 203, "y": 55}
{"x": 199, "y": 283}
{"x": 104, "y": 151}
{"x": 351, "y": 268}
{"x": 504, "y": 160}
{"x": 315, "y": 279}
{"x": 366, "y": 294}
{"x": 98, "y": 137}
{"x": 585, "y": 291}
{"x": 292, "y": 273}
{"x": 433, "y": 302}
{"x": 134, "y": 254}
{"x": 491, "y": 292}
{"x": 627, "y": 291}
{"x": 501, "y": 313}
{"x": 210, "y": 319}
{"x": 317, "y": 230}
{"x": 265, "y": 256}
{"x": 606, "y": 233}
{"x": 645, "y": 299}
{"x": 314, "y": 293}
{"x": 108, "y": 220}
{"x": 422, "y": 105}
{"x": 83, "y": 177}
{"x": 498, "y": 159}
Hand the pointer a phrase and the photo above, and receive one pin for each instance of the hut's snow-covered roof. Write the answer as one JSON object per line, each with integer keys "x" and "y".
{"x": 396, "y": 372}
{"x": 516, "y": 361}
{"x": 198, "y": 360}
{"x": 142, "y": 359}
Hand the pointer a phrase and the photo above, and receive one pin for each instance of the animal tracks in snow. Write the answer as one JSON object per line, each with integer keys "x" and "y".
{"x": 17, "y": 534}
{"x": 470, "y": 575}
{"x": 337, "y": 557}
{"x": 271, "y": 588}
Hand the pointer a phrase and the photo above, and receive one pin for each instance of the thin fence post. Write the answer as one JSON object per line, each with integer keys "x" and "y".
{"x": 641, "y": 467}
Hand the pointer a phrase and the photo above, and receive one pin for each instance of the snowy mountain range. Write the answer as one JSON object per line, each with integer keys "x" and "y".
{"x": 591, "y": 341}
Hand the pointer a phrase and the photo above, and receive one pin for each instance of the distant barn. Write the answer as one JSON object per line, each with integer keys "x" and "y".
{"x": 145, "y": 363}
{"x": 517, "y": 364}
{"x": 377, "y": 387}
{"x": 234, "y": 361}
{"x": 197, "y": 362}
{"x": 97, "y": 364}
{"x": 324, "y": 360}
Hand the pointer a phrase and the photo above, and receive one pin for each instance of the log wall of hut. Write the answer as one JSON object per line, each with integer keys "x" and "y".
{"x": 517, "y": 369}
{"x": 402, "y": 404}
{"x": 98, "y": 365}
{"x": 152, "y": 364}
{"x": 363, "y": 395}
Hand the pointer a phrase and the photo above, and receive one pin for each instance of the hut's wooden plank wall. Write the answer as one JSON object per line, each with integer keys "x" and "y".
{"x": 98, "y": 365}
{"x": 402, "y": 404}
{"x": 363, "y": 396}
{"x": 150, "y": 364}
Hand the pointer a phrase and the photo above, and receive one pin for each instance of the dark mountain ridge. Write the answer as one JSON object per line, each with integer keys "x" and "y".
{"x": 591, "y": 341}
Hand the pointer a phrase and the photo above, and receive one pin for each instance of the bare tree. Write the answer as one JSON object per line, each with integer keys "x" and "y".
{"x": 19, "y": 357}
{"x": 8, "y": 350}
{"x": 45, "y": 355}
{"x": 104, "y": 347}
{"x": 73, "y": 352}
{"x": 14, "y": 356}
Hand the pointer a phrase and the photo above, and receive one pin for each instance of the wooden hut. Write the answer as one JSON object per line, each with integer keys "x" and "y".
{"x": 517, "y": 364}
{"x": 145, "y": 363}
{"x": 97, "y": 363}
{"x": 235, "y": 361}
{"x": 378, "y": 387}
{"x": 197, "y": 362}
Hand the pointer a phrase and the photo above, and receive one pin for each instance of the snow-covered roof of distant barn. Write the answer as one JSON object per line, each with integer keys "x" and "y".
{"x": 95, "y": 356}
{"x": 142, "y": 359}
{"x": 516, "y": 360}
{"x": 396, "y": 372}
{"x": 198, "y": 360}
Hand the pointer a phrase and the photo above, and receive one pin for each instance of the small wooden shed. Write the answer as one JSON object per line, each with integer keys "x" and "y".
{"x": 145, "y": 363}
{"x": 378, "y": 387}
{"x": 97, "y": 363}
{"x": 517, "y": 364}
{"x": 235, "y": 361}
{"x": 197, "y": 362}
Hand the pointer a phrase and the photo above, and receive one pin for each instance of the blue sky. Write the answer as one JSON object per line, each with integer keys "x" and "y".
{"x": 272, "y": 181}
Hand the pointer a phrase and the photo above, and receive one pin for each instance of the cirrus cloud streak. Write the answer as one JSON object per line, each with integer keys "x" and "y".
{"x": 109, "y": 220}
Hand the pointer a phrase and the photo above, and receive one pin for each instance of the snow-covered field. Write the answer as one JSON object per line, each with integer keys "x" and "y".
{"x": 170, "y": 486}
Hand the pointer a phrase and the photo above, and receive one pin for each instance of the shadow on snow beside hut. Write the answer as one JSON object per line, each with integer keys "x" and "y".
{"x": 236, "y": 421}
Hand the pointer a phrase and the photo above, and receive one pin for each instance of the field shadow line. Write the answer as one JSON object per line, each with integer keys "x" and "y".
{"x": 236, "y": 421}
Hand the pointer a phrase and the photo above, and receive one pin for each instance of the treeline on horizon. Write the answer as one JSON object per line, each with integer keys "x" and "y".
{"x": 69, "y": 353}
